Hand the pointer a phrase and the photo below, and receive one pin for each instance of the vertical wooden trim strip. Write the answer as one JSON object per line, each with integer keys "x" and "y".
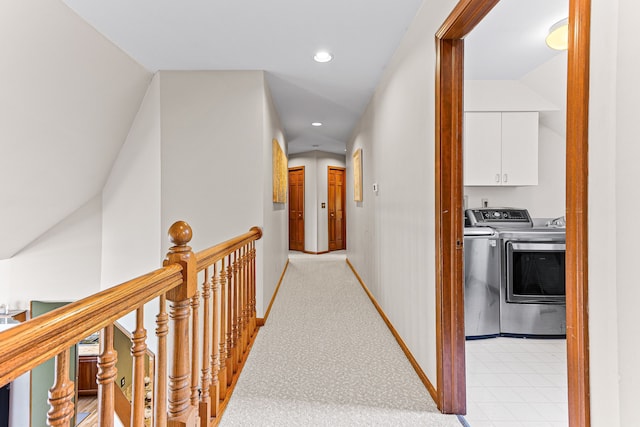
{"x": 450, "y": 338}
{"x": 577, "y": 206}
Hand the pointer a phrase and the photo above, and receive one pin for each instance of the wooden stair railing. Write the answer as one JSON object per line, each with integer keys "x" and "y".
{"x": 207, "y": 350}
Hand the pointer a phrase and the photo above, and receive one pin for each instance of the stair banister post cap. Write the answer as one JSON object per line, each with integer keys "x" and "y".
{"x": 180, "y": 233}
{"x": 257, "y": 230}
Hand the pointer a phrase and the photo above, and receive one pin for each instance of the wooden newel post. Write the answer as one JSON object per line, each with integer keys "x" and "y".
{"x": 180, "y": 411}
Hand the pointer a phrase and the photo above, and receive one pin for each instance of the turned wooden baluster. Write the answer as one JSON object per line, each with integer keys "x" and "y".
{"x": 107, "y": 373}
{"x": 138, "y": 350}
{"x": 61, "y": 394}
{"x": 230, "y": 360}
{"x": 222, "y": 374}
{"x": 245, "y": 300}
{"x": 249, "y": 297}
{"x": 253, "y": 289}
{"x": 238, "y": 303}
{"x": 160, "y": 387}
{"x": 205, "y": 399}
{"x": 195, "y": 362}
{"x": 215, "y": 358}
{"x": 180, "y": 412}
{"x": 235, "y": 330}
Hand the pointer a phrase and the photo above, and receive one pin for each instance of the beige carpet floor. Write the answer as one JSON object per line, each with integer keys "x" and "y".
{"x": 326, "y": 358}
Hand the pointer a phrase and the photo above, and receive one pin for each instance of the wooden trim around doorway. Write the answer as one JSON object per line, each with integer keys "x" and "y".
{"x": 450, "y": 339}
{"x": 451, "y": 384}
{"x": 576, "y": 258}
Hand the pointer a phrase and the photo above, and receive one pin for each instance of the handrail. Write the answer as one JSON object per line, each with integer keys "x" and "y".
{"x": 31, "y": 343}
{"x": 214, "y": 254}
{"x": 206, "y": 356}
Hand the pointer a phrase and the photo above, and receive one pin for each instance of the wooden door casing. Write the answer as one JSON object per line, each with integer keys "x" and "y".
{"x": 296, "y": 208}
{"x": 336, "y": 196}
{"x": 451, "y": 392}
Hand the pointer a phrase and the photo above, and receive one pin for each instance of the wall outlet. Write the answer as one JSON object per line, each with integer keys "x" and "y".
{"x": 485, "y": 203}
{"x": 122, "y": 382}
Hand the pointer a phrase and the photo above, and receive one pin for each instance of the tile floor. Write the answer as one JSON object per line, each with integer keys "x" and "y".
{"x": 516, "y": 382}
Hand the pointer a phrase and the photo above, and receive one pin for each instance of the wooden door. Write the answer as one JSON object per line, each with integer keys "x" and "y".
{"x": 337, "y": 214}
{"x": 296, "y": 209}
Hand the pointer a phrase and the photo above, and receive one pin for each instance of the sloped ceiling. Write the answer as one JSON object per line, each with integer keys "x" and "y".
{"x": 68, "y": 99}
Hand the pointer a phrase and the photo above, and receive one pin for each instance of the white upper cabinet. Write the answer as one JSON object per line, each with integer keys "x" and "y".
{"x": 501, "y": 148}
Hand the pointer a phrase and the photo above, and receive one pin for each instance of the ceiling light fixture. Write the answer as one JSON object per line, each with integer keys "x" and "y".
{"x": 558, "y": 37}
{"x": 322, "y": 56}
{"x": 316, "y": 124}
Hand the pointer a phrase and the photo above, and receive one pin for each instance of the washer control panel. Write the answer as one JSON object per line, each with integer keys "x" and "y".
{"x": 480, "y": 217}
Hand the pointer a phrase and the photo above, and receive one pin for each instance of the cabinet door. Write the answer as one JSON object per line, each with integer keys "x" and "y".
{"x": 520, "y": 148}
{"x": 482, "y": 148}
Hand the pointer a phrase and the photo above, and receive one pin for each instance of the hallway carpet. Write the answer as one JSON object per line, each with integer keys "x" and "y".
{"x": 326, "y": 358}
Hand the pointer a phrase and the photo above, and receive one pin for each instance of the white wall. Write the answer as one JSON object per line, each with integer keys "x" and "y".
{"x": 61, "y": 265}
{"x": 274, "y": 245}
{"x": 503, "y": 95}
{"x": 627, "y": 200}
{"x": 391, "y": 236}
{"x": 68, "y": 98}
{"x": 131, "y": 232}
{"x": 613, "y": 174}
{"x": 316, "y": 224}
{"x": 214, "y": 144}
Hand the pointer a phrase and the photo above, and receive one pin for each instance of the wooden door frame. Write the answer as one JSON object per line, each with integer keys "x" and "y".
{"x": 451, "y": 382}
{"x": 344, "y": 210}
{"x": 304, "y": 190}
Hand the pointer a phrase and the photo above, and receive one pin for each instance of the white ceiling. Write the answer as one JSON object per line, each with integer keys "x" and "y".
{"x": 509, "y": 41}
{"x": 278, "y": 36}
{"x": 281, "y": 36}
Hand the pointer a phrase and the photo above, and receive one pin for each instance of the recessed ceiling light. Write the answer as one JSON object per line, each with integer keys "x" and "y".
{"x": 316, "y": 124}
{"x": 322, "y": 56}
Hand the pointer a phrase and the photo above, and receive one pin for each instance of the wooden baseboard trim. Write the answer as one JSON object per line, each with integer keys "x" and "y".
{"x": 261, "y": 321}
{"x": 315, "y": 253}
{"x": 423, "y": 377}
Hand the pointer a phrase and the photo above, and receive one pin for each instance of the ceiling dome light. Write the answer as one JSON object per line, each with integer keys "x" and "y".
{"x": 316, "y": 124}
{"x": 322, "y": 56}
{"x": 558, "y": 37}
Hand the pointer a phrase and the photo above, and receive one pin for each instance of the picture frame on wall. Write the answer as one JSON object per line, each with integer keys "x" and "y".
{"x": 357, "y": 175}
{"x": 279, "y": 173}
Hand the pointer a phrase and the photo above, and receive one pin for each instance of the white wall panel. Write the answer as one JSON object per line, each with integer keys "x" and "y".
{"x": 391, "y": 234}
